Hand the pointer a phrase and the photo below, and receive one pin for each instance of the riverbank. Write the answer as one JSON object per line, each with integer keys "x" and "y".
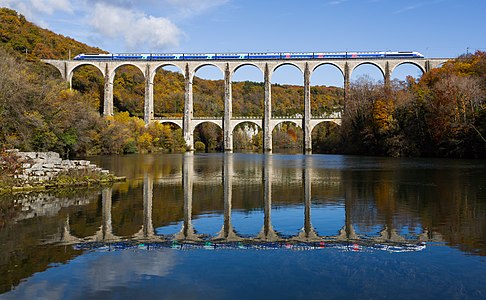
{"x": 37, "y": 171}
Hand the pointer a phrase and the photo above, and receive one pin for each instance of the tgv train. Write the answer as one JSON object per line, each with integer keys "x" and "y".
{"x": 246, "y": 56}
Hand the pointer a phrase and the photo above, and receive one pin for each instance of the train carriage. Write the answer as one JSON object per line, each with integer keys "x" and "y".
{"x": 166, "y": 56}
{"x": 243, "y": 56}
{"x": 231, "y": 56}
{"x": 268, "y": 55}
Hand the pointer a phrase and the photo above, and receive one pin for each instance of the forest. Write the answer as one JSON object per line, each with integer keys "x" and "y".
{"x": 441, "y": 114}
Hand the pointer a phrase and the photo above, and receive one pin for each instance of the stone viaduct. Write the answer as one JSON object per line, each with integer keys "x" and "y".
{"x": 228, "y": 67}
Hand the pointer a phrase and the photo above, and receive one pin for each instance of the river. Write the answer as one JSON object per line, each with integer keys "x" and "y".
{"x": 240, "y": 226}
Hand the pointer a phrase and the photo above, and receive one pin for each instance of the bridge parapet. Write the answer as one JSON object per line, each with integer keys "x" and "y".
{"x": 168, "y": 118}
{"x": 247, "y": 117}
{"x": 333, "y": 115}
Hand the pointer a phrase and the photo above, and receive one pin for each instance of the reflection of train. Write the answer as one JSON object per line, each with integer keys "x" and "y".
{"x": 245, "y": 56}
{"x": 341, "y": 246}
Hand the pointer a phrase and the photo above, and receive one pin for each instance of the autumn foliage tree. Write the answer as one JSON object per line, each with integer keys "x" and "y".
{"x": 442, "y": 114}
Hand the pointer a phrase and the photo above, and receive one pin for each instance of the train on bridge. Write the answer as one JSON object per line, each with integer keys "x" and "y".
{"x": 249, "y": 56}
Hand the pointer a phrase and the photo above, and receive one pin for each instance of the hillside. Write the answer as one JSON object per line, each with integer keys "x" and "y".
{"x": 32, "y": 42}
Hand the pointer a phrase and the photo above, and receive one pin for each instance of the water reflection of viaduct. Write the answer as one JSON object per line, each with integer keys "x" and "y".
{"x": 227, "y": 233}
{"x": 228, "y": 123}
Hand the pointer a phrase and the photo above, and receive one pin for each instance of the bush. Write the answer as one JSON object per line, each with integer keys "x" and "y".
{"x": 199, "y": 146}
{"x": 10, "y": 166}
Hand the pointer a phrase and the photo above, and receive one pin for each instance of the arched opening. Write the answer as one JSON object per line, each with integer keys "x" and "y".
{"x": 368, "y": 116}
{"x": 85, "y": 221}
{"x": 208, "y": 92}
{"x": 208, "y": 137}
{"x": 328, "y": 208}
{"x": 327, "y": 91}
{"x": 169, "y": 89}
{"x": 403, "y": 77}
{"x": 366, "y": 87}
{"x": 167, "y": 136}
{"x": 88, "y": 80}
{"x": 247, "y": 200}
{"x": 326, "y": 138}
{"x": 287, "y": 92}
{"x": 168, "y": 204}
{"x": 127, "y": 211}
{"x": 247, "y": 136}
{"x": 248, "y": 92}
{"x": 367, "y": 70}
{"x": 208, "y": 192}
{"x": 129, "y": 90}
{"x": 405, "y": 73}
{"x": 402, "y": 71}
{"x": 287, "y": 136}
{"x": 288, "y": 191}
{"x": 48, "y": 71}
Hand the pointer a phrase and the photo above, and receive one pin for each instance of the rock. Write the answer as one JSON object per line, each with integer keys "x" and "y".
{"x": 52, "y": 155}
{"x": 84, "y": 162}
{"x": 31, "y": 155}
{"x": 44, "y": 166}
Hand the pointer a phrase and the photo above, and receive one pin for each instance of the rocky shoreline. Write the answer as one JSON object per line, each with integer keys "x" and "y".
{"x": 44, "y": 170}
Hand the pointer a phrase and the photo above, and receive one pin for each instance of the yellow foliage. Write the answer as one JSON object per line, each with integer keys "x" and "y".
{"x": 144, "y": 141}
{"x": 123, "y": 118}
{"x": 383, "y": 115}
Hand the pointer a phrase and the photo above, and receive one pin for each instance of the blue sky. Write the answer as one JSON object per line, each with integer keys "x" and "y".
{"x": 436, "y": 28}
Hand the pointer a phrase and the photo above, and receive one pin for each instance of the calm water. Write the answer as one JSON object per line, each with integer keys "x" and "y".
{"x": 219, "y": 226}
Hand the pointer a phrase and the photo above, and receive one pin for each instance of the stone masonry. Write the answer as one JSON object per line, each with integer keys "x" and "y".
{"x": 44, "y": 166}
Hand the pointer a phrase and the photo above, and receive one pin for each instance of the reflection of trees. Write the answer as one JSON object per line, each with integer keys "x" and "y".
{"x": 442, "y": 201}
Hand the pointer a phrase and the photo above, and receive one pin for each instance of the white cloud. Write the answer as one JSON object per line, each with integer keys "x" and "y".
{"x": 137, "y": 30}
{"x": 193, "y": 7}
{"x": 337, "y": 2}
{"x": 408, "y": 8}
{"x": 34, "y": 7}
{"x": 36, "y": 10}
{"x": 49, "y": 6}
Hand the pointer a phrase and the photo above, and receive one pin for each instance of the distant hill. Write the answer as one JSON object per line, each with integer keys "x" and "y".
{"x": 33, "y": 42}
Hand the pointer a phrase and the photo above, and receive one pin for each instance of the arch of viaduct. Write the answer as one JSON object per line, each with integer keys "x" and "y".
{"x": 228, "y": 67}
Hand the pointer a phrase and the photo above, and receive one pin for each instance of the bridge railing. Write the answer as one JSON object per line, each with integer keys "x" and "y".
{"x": 333, "y": 115}
{"x": 247, "y": 117}
{"x": 207, "y": 118}
{"x": 168, "y": 118}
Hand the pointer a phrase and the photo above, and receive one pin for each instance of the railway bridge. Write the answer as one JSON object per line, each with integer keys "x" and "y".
{"x": 228, "y": 67}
